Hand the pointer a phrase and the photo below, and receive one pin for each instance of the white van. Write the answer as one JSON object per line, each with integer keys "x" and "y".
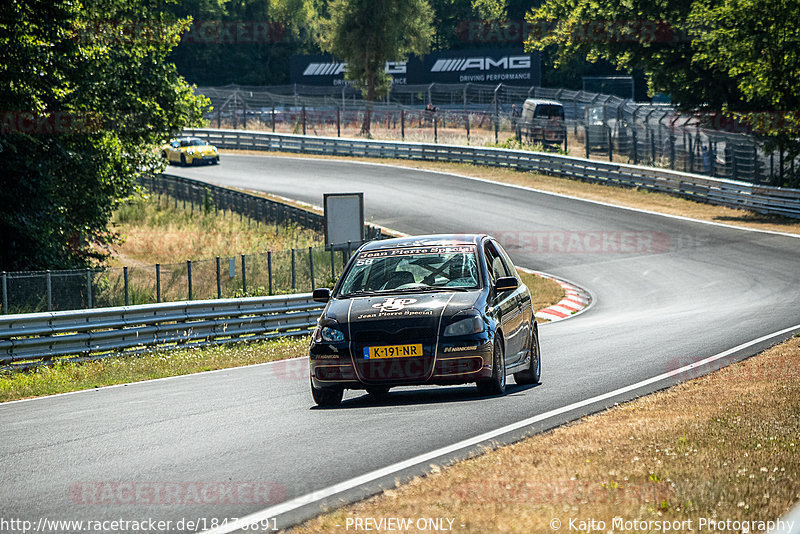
{"x": 542, "y": 122}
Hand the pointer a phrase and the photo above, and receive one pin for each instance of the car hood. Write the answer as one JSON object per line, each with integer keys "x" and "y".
{"x": 420, "y": 308}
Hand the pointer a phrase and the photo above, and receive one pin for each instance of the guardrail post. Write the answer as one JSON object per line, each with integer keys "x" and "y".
{"x": 219, "y": 281}
{"x": 125, "y": 283}
{"x": 88, "y": 288}
{"x": 244, "y": 275}
{"x": 293, "y": 271}
{"x": 189, "y": 276}
{"x": 311, "y": 265}
{"x": 269, "y": 270}
{"x": 49, "y": 291}
{"x": 5, "y": 293}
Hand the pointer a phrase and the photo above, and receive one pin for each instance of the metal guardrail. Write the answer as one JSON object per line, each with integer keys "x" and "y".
{"x": 730, "y": 193}
{"x": 28, "y": 340}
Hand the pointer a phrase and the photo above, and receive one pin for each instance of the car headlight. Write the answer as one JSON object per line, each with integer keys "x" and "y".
{"x": 472, "y": 324}
{"x": 328, "y": 333}
{"x": 190, "y": 151}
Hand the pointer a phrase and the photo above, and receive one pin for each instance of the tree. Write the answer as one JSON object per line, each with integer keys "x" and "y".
{"x": 633, "y": 34}
{"x": 87, "y": 97}
{"x": 368, "y": 33}
{"x": 757, "y": 44}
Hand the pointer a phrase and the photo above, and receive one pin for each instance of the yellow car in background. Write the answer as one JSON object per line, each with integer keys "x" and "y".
{"x": 190, "y": 151}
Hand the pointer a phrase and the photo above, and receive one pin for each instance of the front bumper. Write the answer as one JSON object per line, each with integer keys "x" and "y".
{"x": 463, "y": 360}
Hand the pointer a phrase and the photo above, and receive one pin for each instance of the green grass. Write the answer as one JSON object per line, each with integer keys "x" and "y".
{"x": 65, "y": 377}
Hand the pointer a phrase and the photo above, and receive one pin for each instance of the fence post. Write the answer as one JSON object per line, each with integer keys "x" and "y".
{"x": 671, "y": 151}
{"x": 634, "y": 147}
{"x": 273, "y": 118}
{"x": 49, "y": 291}
{"x": 435, "y": 128}
{"x": 304, "y": 119}
{"x": 338, "y": 122}
{"x": 125, "y": 283}
{"x": 610, "y": 146}
{"x": 333, "y": 266}
{"x": 586, "y": 140}
{"x": 5, "y": 293}
{"x": 311, "y": 265}
{"x": 293, "y": 272}
{"x": 244, "y": 275}
{"x": 219, "y": 281}
{"x": 88, "y": 288}
{"x": 269, "y": 270}
{"x": 158, "y": 282}
{"x": 466, "y": 121}
{"x": 189, "y": 275}
{"x": 403, "y": 124}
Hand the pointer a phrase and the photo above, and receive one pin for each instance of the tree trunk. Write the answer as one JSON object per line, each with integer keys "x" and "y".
{"x": 365, "y": 126}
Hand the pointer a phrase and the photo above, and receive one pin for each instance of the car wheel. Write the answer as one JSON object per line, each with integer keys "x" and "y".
{"x": 183, "y": 160}
{"x": 533, "y": 374}
{"x": 496, "y": 385}
{"x": 215, "y": 161}
{"x": 378, "y": 392}
{"x": 327, "y": 397}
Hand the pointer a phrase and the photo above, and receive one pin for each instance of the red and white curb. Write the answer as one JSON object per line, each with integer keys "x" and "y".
{"x": 575, "y": 301}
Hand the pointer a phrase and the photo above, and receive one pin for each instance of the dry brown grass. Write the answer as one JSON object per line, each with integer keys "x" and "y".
{"x": 722, "y": 446}
{"x": 156, "y": 230}
{"x": 633, "y": 198}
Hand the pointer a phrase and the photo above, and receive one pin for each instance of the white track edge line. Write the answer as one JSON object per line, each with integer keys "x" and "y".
{"x": 297, "y": 502}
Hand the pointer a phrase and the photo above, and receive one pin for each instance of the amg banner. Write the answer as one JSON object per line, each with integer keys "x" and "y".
{"x": 495, "y": 65}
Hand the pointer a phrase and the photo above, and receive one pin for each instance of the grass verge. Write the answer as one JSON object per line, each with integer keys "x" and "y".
{"x": 722, "y": 446}
{"x": 633, "y": 198}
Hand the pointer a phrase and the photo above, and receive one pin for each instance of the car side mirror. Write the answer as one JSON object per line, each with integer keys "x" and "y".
{"x": 506, "y": 283}
{"x": 322, "y": 294}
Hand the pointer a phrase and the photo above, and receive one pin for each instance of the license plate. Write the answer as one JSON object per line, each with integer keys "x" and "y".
{"x": 392, "y": 351}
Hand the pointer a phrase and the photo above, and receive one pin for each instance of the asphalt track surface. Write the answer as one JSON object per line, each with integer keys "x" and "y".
{"x": 677, "y": 292}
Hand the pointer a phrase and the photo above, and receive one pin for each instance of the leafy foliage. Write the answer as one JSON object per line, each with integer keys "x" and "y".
{"x": 87, "y": 97}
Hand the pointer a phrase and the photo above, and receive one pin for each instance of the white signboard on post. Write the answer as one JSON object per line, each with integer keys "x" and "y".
{"x": 344, "y": 219}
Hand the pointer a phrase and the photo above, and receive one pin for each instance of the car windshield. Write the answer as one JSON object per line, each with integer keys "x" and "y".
{"x": 549, "y": 111}
{"x": 192, "y": 142}
{"x": 414, "y": 268}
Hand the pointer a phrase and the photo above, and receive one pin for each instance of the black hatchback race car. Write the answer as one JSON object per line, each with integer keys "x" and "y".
{"x": 438, "y": 309}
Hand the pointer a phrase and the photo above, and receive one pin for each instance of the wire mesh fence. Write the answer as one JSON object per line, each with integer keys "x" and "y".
{"x": 248, "y": 275}
{"x": 268, "y": 273}
{"x": 595, "y": 125}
